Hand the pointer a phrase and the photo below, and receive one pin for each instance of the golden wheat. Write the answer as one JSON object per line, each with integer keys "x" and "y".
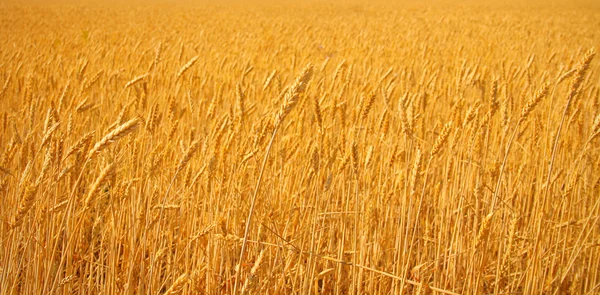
{"x": 412, "y": 158}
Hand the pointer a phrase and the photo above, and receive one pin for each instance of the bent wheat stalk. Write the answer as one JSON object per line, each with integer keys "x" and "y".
{"x": 291, "y": 99}
{"x": 182, "y": 163}
{"x": 524, "y": 114}
{"x": 118, "y": 133}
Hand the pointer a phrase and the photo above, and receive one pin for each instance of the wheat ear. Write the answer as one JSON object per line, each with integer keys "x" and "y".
{"x": 186, "y": 67}
{"x": 25, "y": 205}
{"x": 102, "y": 178}
{"x": 178, "y": 284}
{"x": 119, "y": 132}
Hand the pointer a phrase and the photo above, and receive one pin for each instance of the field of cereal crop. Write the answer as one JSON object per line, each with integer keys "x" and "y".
{"x": 324, "y": 147}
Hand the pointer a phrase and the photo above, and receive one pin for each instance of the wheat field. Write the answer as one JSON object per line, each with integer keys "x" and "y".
{"x": 324, "y": 147}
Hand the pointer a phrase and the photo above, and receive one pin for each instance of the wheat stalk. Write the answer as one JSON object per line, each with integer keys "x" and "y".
{"x": 291, "y": 99}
